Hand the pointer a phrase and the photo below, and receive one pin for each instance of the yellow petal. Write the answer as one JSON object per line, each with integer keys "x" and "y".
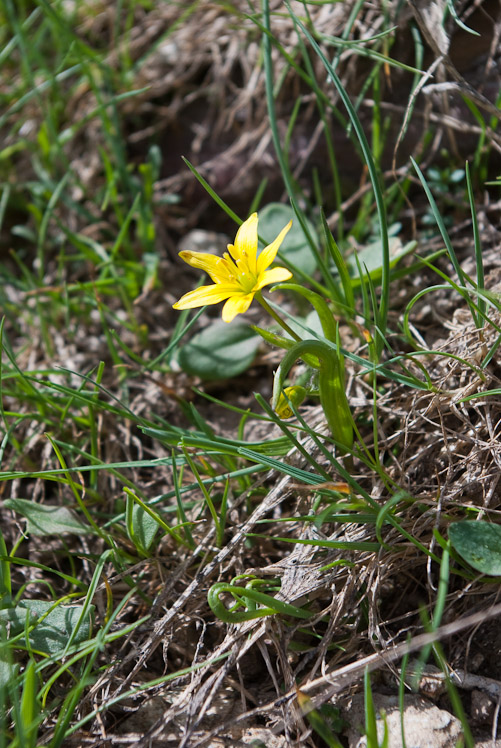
{"x": 205, "y": 295}
{"x": 213, "y": 265}
{"x": 245, "y": 246}
{"x": 269, "y": 253}
{"x": 275, "y": 275}
{"x": 236, "y": 305}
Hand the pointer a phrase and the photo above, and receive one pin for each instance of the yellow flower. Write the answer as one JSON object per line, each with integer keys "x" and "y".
{"x": 238, "y": 275}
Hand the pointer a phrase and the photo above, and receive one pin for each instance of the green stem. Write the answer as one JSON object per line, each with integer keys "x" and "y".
{"x": 259, "y": 297}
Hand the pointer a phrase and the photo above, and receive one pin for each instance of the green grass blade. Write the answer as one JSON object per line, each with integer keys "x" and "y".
{"x": 374, "y": 177}
{"x": 479, "y": 262}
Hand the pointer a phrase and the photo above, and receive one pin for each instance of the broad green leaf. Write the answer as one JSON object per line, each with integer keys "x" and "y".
{"x": 220, "y": 351}
{"x": 44, "y": 519}
{"x": 272, "y": 218}
{"x": 52, "y": 634}
{"x": 478, "y": 543}
{"x": 8, "y": 670}
{"x": 145, "y": 527}
{"x": 370, "y": 257}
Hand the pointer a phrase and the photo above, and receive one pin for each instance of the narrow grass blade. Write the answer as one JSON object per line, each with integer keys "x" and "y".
{"x": 478, "y": 251}
{"x": 374, "y": 177}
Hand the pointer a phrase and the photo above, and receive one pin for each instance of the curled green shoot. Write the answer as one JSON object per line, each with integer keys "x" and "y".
{"x": 331, "y": 387}
{"x": 246, "y": 600}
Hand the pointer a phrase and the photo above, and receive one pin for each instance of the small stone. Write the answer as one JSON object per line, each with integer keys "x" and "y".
{"x": 199, "y": 240}
{"x": 476, "y": 662}
{"x": 482, "y": 708}
{"x": 256, "y": 736}
{"x": 425, "y": 725}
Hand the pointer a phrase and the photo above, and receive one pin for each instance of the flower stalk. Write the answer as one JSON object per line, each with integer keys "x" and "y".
{"x": 269, "y": 310}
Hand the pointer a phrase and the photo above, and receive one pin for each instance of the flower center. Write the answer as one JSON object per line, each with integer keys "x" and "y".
{"x": 247, "y": 281}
